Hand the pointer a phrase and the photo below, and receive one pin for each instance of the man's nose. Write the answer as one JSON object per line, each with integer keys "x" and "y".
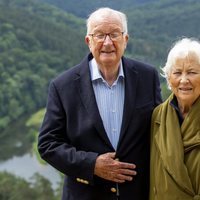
{"x": 107, "y": 39}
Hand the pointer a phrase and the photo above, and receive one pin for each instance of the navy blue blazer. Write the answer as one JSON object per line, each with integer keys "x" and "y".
{"x": 72, "y": 134}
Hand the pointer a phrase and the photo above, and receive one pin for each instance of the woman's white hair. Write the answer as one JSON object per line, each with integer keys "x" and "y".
{"x": 180, "y": 50}
{"x": 104, "y": 12}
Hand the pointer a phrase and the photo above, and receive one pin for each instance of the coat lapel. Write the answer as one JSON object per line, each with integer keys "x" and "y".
{"x": 169, "y": 142}
{"x": 85, "y": 90}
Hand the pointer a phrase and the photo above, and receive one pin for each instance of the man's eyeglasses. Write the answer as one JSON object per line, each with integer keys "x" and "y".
{"x": 100, "y": 37}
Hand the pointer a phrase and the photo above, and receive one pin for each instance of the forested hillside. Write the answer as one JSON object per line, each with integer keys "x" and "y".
{"x": 84, "y": 7}
{"x": 154, "y": 27}
{"x": 36, "y": 42}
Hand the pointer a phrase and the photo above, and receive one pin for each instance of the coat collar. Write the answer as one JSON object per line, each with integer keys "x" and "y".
{"x": 169, "y": 142}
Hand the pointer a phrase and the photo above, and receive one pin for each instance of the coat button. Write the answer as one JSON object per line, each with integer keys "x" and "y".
{"x": 196, "y": 197}
{"x": 113, "y": 190}
{"x": 154, "y": 190}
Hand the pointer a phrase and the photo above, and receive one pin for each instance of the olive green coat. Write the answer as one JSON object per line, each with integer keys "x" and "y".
{"x": 175, "y": 154}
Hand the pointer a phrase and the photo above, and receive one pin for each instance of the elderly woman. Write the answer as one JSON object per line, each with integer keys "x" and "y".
{"x": 175, "y": 131}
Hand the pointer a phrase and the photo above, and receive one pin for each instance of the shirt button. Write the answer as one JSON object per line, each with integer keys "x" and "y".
{"x": 113, "y": 190}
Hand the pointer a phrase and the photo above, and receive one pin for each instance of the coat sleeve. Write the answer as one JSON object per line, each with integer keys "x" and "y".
{"x": 54, "y": 145}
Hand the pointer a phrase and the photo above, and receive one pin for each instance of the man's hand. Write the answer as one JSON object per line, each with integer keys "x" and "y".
{"x": 110, "y": 168}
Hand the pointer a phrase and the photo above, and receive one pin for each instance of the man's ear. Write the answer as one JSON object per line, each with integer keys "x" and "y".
{"x": 87, "y": 41}
{"x": 126, "y": 40}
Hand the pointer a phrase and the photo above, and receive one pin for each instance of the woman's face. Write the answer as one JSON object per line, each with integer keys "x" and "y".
{"x": 184, "y": 79}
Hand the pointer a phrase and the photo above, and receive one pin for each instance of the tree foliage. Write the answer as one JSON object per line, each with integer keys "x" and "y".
{"x": 84, "y": 7}
{"x": 15, "y": 188}
{"x": 36, "y": 43}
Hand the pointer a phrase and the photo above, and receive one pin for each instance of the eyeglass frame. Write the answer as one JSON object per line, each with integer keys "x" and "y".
{"x": 104, "y": 35}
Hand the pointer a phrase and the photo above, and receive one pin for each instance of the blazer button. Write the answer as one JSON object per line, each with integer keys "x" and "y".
{"x": 78, "y": 179}
{"x": 113, "y": 190}
{"x": 86, "y": 182}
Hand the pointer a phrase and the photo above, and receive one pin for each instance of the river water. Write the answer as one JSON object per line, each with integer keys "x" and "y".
{"x": 25, "y": 166}
{"x": 17, "y": 157}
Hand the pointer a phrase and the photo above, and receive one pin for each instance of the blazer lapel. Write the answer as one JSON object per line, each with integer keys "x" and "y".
{"x": 131, "y": 78}
{"x": 85, "y": 90}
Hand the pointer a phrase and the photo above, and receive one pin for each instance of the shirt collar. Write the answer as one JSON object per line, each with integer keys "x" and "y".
{"x": 95, "y": 73}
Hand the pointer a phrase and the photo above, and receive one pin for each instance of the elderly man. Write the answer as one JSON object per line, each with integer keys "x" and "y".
{"x": 97, "y": 123}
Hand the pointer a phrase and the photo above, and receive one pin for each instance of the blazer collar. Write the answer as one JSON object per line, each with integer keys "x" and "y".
{"x": 131, "y": 79}
{"x": 87, "y": 96}
{"x": 85, "y": 90}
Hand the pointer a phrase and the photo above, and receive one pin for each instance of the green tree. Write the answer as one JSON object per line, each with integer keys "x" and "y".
{"x": 15, "y": 188}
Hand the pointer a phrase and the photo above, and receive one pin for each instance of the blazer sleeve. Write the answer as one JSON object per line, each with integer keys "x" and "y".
{"x": 54, "y": 146}
{"x": 158, "y": 97}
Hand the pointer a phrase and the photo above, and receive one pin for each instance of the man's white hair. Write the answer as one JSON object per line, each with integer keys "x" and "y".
{"x": 104, "y": 12}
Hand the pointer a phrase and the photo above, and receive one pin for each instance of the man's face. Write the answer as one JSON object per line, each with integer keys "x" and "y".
{"x": 107, "y": 49}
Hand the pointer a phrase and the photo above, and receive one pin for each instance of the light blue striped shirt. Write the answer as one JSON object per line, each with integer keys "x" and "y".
{"x": 110, "y": 101}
